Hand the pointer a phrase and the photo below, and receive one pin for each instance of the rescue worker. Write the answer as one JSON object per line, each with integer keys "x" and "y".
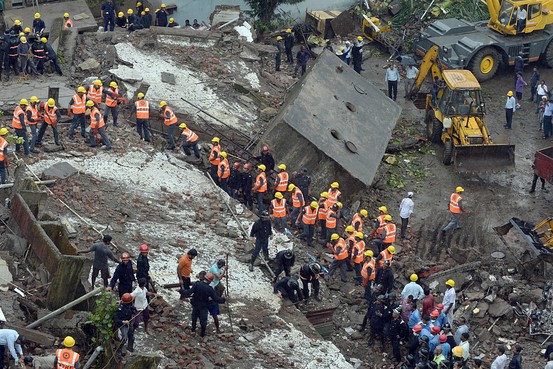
{"x": 377, "y": 319}
{"x": 67, "y": 22}
{"x": 202, "y": 293}
{"x": 282, "y": 179}
{"x": 121, "y": 20}
{"x": 12, "y": 340}
{"x": 95, "y": 92}
{"x": 332, "y": 216}
{"x": 51, "y": 117}
{"x": 278, "y": 55}
{"x": 357, "y": 54}
{"x": 261, "y": 230}
{"x": 52, "y": 56}
{"x": 321, "y": 215}
{"x": 302, "y": 57}
{"x": 379, "y": 221}
{"x": 413, "y": 289}
{"x": 184, "y": 268}
{"x": 32, "y": 117}
{"x": 310, "y": 273}
{"x": 162, "y": 16}
{"x": 357, "y": 254}
{"x": 303, "y": 181}
{"x": 349, "y": 236}
{"x": 143, "y": 264}
{"x": 170, "y": 121}
{"x": 340, "y": 250}
{"x": 298, "y": 203}
{"x": 12, "y": 53}
{"x": 123, "y": 274}
{"x": 223, "y": 171}
{"x": 38, "y": 49}
{"x": 140, "y": 296}
{"x": 357, "y": 220}
{"x": 122, "y": 321}
{"x": 112, "y": 96}
{"x": 214, "y": 158}
{"x": 76, "y": 110}
{"x": 288, "y": 45}
{"x": 246, "y": 186}
{"x": 66, "y": 358}
{"x": 27, "y": 65}
{"x": 449, "y": 300}
{"x": 17, "y": 28}
{"x": 278, "y": 209}
{"x": 97, "y": 126}
{"x": 130, "y": 19}
{"x": 101, "y": 254}
{"x": 399, "y": 331}
{"x": 142, "y": 109}
{"x": 368, "y": 272}
{"x": 308, "y": 219}
{"x": 235, "y": 180}
{"x": 285, "y": 260}
{"x": 46, "y": 362}
{"x": 19, "y": 122}
{"x": 4, "y": 165}
{"x": 260, "y": 186}
{"x": 289, "y": 287}
{"x": 139, "y": 7}
{"x": 455, "y": 208}
{"x": 108, "y": 15}
{"x": 189, "y": 141}
{"x": 387, "y": 234}
{"x": 266, "y": 158}
{"x": 385, "y": 277}
{"x": 334, "y": 193}
{"x": 385, "y": 255}
{"x": 147, "y": 18}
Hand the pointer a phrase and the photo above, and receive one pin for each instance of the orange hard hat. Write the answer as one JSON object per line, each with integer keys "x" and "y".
{"x": 126, "y": 298}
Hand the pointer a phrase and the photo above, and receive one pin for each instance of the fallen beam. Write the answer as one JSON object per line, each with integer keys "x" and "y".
{"x": 38, "y": 337}
{"x": 47, "y": 182}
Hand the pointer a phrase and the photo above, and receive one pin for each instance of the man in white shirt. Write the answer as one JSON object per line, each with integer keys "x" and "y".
{"x": 392, "y": 77}
{"x": 521, "y": 19}
{"x": 12, "y": 339}
{"x": 405, "y": 210}
{"x": 449, "y": 300}
{"x": 541, "y": 91}
{"x": 510, "y": 107}
{"x": 140, "y": 295}
{"x": 465, "y": 345}
{"x": 413, "y": 289}
{"x": 501, "y": 358}
{"x": 410, "y": 76}
{"x": 549, "y": 364}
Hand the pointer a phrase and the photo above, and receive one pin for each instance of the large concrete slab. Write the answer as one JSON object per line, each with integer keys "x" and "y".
{"x": 37, "y": 87}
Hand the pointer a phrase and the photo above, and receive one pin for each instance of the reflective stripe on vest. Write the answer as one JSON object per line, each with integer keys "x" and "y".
{"x": 343, "y": 249}
{"x": 66, "y": 358}
{"x": 365, "y": 272}
{"x": 68, "y": 24}
{"x": 385, "y": 257}
{"x": 39, "y": 53}
{"x": 333, "y": 196}
{"x": 50, "y": 115}
{"x": 172, "y": 117}
{"x": 142, "y": 109}
{"x": 454, "y": 203}
{"x": 380, "y": 220}
{"x": 78, "y": 106}
{"x": 34, "y": 115}
{"x": 330, "y": 220}
{"x": 351, "y": 240}
{"x": 3, "y": 145}
{"x": 111, "y": 101}
{"x": 95, "y": 94}
{"x": 323, "y": 210}
{"x": 390, "y": 233}
{"x": 310, "y": 215}
{"x": 12, "y": 51}
{"x": 96, "y": 123}
{"x": 279, "y": 208}
{"x": 16, "y": 121}
{"x": 190, "y": 136}
{"x": 295, "y": 199}
{"x": 261, "y": 187}
{"x": 214, "y": 159}
{"x": 223, "y": 170}
{"x": 360, "y": 247}
{"x": 283, "y": 182}
{"x": 357, "y": 219}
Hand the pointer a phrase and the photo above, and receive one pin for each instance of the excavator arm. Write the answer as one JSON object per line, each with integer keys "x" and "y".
{"x": 430, "y": 64}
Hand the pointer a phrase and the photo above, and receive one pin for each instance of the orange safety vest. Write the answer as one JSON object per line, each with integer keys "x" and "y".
{"x": 96, "y": 123}
{"x": 323, "y": 210}
{"x": 282, "y": 182}
{"x": 385, "y": 257}
{"x": 365, "y": 271}
{"x": 259, "y": 187}
{"x": 190, "y": 136}
{"x": 330, "y": 220}
{"x": 380, "y": 220}
{"x": 66, "y": 358}
{"x": 310, "y": 215}
{"x": 95, "y": 94}
{"x": 357, "y": 219}
{"x": 360, "y": 247}
{"x": 223, "y": 171}
{"x": 142, "y": 109}
{"x": 34, "y": 115}
{"x": 343, "y": 249}
{"x": 3, "y": 145}
{"x": 333, "y": 196}
{"x": 295, "y": 199}
{"x": 16, "y": 121}
{"x": 279, "y": 208}
{"x": 68, "y": 24}
{"x": 454, "y": 203}
{"x": 390, "y": 233}
{"x": 172, "y": 118}
{"x": 214, "y": 160}
{"x": 78, "y": 106}
{"x": 351, "y": 239}
{"x": 50, "y": 116}
{"x": 110, "y": 100}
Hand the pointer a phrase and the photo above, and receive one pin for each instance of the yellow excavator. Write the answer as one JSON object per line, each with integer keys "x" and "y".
{"x": 455, "y": 113}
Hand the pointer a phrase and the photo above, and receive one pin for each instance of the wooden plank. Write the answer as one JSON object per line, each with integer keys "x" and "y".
{"x": 38, "y": 337}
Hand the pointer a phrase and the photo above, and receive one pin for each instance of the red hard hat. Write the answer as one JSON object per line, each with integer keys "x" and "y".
{"x": 436, "y": 329}
{"x": 265, "y": 148}
{"x": 440, "y": 307}
{"x": 237, "y": 165}
{"x": 443, "y": 338}
{"x": 126, "y": 298}
{"x": 417, "y": 328}
{"x": 435, "y": 313}
{"x": 247, "y": 166}
{"x": 144, "y": 248}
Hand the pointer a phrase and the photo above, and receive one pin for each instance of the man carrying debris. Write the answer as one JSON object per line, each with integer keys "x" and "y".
{"x": 288, "y": 45}
{"x": 97, "y": 127}
{"x": 101, "y": 254}
{"x": 76, "y": 109}
{"x": 11, "y": 339}
{"x": 66, "y": 358}
{"x": 455, "y": 208}
{"x": 184, "y": 269}
{"x": 261, "y": 230}
{"x": 170, "y": 121}
{"x": 3, "y": 155}
{"x": 285, "y": 260}
{"x": 189, "y": 141}
{"x": 124, "y": 274}
{"x": 51, "y": 117}
{"x": 142, "y": 109}
{"x": 290, "y": 288}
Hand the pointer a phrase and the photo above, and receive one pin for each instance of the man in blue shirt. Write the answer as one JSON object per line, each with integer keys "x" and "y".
{"x": 392, "y": 77}
{"x": 302, "y": 58}
{"x": 108, "y": 14}
{"x": 510, "y": 106}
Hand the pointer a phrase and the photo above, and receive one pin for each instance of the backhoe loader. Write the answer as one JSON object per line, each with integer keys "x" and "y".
{"x": 455, "y": 113}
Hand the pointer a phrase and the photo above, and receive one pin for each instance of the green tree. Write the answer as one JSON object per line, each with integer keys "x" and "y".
{"x": 264, "y": 10}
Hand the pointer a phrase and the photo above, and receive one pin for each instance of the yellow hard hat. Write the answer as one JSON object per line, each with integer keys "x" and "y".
{"x": 350, "y": 229}
{"x": 162, "y": 104}
{"x": 90, "y": 103}
{"x": 314, "y": 205}
{"x": 37, "y": 15}
{"x": 457, "y": 351}
{"x": 27, "y": 30}
{"x": 113, "y": 84}
{"x": 334, "y": 237}
{"x": 342, "y": 48}
{"x": 359, "y": 38}
{"x": 278, "y": 195}
{"x": 143, "y": 13}
{"x": 171, "y": 20}
{"x": 51, "y": 102}
{"x": 289, "y": 30}
{"x": 369, "y": 253}
{"x": 364, "y": 213}
{"x": 23, "y": 39}
{"x": 359, "y": 235}
{"x": 279, "y": 38}
{"x": 388, "y": 217}
{"x": 21, "y": 33}
{"x": 291, "y": 186}
{"x": 383, "y": 209}
{"x": 23, "y": 102}
{"x": 324, "y": 194}
{"x": 510, "y": 93}
{"x": 223, "y": 154}
{"x": 182, "y": 125}
{"x": 334, "y": 185}
{"x": 81, "y": 89}
{"x": 282, "y": 166}
{"x": 391, "y": 249}
{"x": 262, "y": 167}
{"x": 450, "y": 283}
{"x": 339, "y": 204}
{"x": 66, "y": 15}
{"x": 140, "y": 95}
{"x": 147, "y": 9}
{"x": 139, "y": 4}
{"x": 44, "y": 40}
{"x": 414, "y": 277}
{"x": 120, "y": 14}
{"x": 69, "y": 341}
{"x": 129, "y": 11}
{"x": 4, "y": 131}
{"x": 459, "y": 189}
{"x": 34, "y": 99}
{"x": 163, "y": 6}
{"x": 215, "y": 139}
{"x": 17, "y": 22}
{"x": 97, "y": 82}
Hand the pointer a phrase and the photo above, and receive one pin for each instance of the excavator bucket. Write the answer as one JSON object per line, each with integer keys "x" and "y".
{"x": 484, "y": 158}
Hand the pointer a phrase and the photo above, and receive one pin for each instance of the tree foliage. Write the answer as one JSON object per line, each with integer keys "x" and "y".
{"x": 264, "y": 10}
